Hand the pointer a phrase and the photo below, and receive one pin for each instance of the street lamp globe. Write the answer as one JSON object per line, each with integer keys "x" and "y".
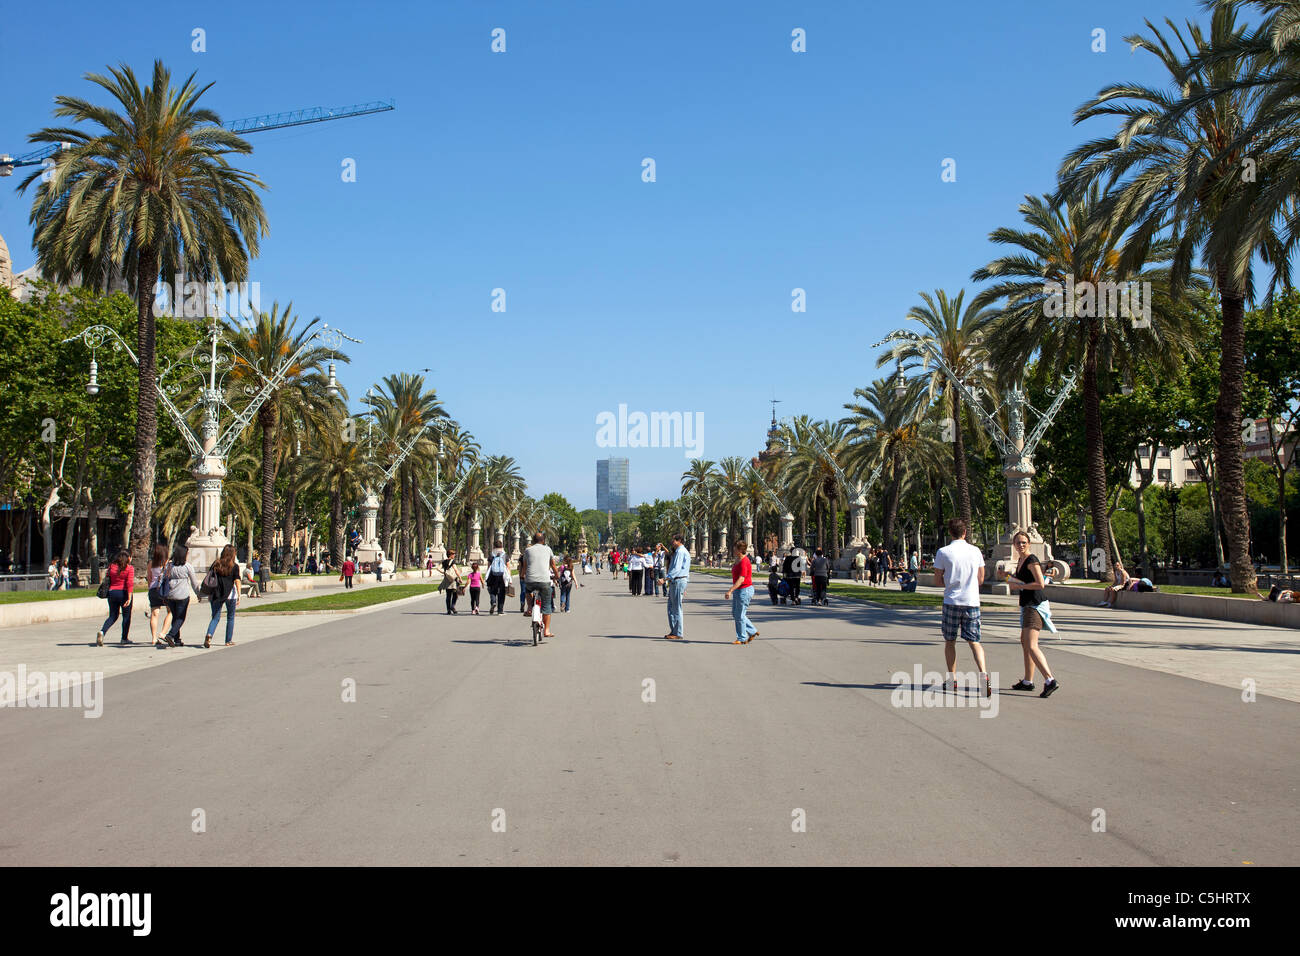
{"x": 92, "y": 386}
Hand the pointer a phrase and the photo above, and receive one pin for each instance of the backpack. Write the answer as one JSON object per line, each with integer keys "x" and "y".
{"x": 498, "y": 565}
{"x": 165, "y": 581}
{"x": 783, "y": 589}
{"x": 209, "y": 586}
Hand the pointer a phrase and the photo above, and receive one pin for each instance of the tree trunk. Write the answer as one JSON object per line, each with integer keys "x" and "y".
{"x": 336, "y": 529}
{"x": 404, "y": 544}
{"x": 1139, "y": 506}
{"x": 959, "y": 459}
{"x": 146, "y": 410}
{"x": 386, "y": 534}
{"x": 290, "y": 526}
{"x": 1095, "y": 450}
{"x": 268, "y": 419}
{"x": 1230, "y": 462}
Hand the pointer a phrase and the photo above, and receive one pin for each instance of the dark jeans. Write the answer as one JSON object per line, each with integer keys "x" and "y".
{"x": 179, "y": 609}
{"x": 820, "y": 585}
{"x": 452, "y": 594}
{"x": 473, "y": 598}
{"x": 794, "y": 588}
{"x": 772, "y": 590}
{"x": 496, "y": 585}
{"x": 565, "y": 591}
{"x": 347, "y": 581}
{"x": 117, "y": 605}
{"x": 216, "y": 616}
{"x": 635, "y": 578}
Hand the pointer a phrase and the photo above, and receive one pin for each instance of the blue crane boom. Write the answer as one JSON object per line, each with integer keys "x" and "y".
{"x": 251, "y": 124}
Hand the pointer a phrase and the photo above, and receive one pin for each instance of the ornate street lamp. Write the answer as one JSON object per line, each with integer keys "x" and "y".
{"x": 1017, "y": 451}
{"x": 210, "y": 449}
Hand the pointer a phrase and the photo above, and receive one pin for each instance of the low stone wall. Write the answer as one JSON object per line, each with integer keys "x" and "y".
{"x": 1247, "y": 610}
{"x": 1239, "y": 610}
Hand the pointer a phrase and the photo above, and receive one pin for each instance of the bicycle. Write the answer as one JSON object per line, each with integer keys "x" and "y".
{"x": 536, "y": 618}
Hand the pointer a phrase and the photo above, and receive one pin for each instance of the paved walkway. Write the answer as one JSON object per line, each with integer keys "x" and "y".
{"x": 465, "y": 744}
{"x": 70, "y": 645}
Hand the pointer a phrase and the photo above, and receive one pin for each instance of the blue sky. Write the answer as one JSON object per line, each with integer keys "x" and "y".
{"x": 523, "y": 171}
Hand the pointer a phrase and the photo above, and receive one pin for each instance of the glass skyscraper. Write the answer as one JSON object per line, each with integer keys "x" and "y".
{"x": 611, "y": 485}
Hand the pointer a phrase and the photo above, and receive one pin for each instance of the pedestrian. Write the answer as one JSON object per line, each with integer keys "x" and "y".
{"x": 65, "y": 576}
{"x": 224, "y": 592}
{"x": 498, "y": 574}
{"x": 475, "y": 587}
{"x": 792, "y": 569}
{"x": 159, "y": 612}
{"x": 615, "y": 562}
{"x": 821, "y": 577}
{"x": 566, "y": 583}
{"x": 52, "y": 577}
{"x": 121, "y": 592}
{"x": 537, "y": 570}
{"x": 256, "y": 565}
{"x": 913, "y": 563}
{"x": 679, "y": 574}
{"x": 959, "y": 570}
{"x": 451, "y": 580}
{"x": 1035, "y": 613}
{"x": 179, "y": 583}
{"x": 349, "y": 571}
{"x": 636, "y": 571}
{"x": 741, "y": 593}
{"x": 379, "y": 567}
{"x": 774, "y": 584}
{"x": 859, "y": 567}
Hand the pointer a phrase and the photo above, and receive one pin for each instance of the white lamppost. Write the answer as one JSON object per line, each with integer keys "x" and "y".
{"x": 210, "y": 449}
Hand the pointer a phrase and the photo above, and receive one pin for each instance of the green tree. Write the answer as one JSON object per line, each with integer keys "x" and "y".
{"x": 148, "y": 191}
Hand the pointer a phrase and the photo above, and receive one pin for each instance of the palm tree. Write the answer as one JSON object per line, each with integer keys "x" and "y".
{"x": 261, "y": 351}
{"x": 957, "y": 334}
{"x": 403, "y": 407}
{"x": 699, "y": 482}
{"x": 900, "y": 430}
{"x": 148, "y": 193}
{"x": 1068, "y": 244}
{"x": 818, "y": 447}
{"x": 1176, "y": 166}
{"x": 339, "y": 468}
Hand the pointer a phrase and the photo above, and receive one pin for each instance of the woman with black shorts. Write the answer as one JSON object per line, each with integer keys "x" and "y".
{"x": 1035, "y": 612}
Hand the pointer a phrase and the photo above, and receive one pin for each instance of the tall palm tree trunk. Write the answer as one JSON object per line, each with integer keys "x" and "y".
{"x": 146, "y": 410}
{"x": 1096, "y": 468}
{"x": 386, "y": 534}
{"x": 291, "y": 511}
{"x": 336, "y": 529}
{"x": 1227, "y": 435}
{"x": 959, "y": 460}
{"x": 404, "y": 545}
{"x": 267, "y": 418}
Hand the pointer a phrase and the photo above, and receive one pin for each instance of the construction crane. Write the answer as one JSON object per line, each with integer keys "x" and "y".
{"x": 251, "y": 124}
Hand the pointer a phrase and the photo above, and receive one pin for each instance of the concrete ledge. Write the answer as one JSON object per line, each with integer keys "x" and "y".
{"x": 1243, "y": 610}
{"x": 1247, "y": 610}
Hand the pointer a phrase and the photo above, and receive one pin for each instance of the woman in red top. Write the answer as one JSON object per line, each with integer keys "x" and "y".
{"x": 741, "y": 593}
{"x": 121, "y": 589}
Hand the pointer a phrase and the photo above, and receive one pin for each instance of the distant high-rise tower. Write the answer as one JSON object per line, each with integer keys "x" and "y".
{"x": 611, "y": 485}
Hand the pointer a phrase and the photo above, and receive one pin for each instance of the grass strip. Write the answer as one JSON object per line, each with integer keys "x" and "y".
{"x": 346, "y": 600}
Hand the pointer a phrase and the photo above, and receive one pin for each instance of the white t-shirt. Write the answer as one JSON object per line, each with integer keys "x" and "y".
{"x": 960, "y": 563}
